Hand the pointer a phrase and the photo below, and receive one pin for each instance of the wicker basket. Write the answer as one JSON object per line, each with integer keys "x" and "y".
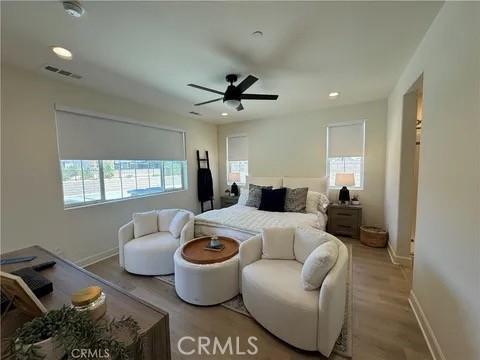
{"x": 373, "y": 236}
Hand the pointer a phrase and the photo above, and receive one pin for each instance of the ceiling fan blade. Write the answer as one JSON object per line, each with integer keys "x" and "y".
{"x": 209, "y": 101}
{"x": 206, "y": 89}
{"x": 246, "y": 83}
{"x": 259, "y": 97}
{"x": 240, "y": 107}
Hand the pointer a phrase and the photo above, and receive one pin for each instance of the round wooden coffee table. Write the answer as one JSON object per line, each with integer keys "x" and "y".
{"x": 195, "y": 251}
{"x": 204, "y": 277}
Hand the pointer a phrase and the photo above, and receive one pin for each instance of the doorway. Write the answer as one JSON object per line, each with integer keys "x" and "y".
{"x": 409, "y": 168}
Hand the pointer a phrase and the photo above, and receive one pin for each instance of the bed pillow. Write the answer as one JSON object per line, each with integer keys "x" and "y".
{"x": 296, "y": 200}
{"x": 273, "y": 200}
{"x": 145, "y": 223}
{"x": 255, "y": 195}
{"x": 277, "y": 243}
{"x": 243, "y": 198}
{"x": 316, "y": 202}
{"x": 178, "y": 222}
{"x": 318, "y": 264}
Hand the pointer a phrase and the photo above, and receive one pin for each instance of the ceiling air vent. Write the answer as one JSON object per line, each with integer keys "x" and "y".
{"x": 61, "y": 72}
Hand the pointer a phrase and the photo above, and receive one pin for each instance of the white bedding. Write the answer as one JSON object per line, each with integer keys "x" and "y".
{"x": 241, "y": 222}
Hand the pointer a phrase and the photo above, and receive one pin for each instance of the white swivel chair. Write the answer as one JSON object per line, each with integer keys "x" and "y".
{"x": 274, "y": 295}
{"x": 152, "y": 254}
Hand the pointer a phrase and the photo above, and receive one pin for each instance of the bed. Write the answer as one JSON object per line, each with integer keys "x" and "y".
{"x": 242, "y": 222}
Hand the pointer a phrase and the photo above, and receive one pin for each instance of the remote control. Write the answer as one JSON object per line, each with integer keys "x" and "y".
{"x": 16, "y": 260}
{"x": 43, "y": 266}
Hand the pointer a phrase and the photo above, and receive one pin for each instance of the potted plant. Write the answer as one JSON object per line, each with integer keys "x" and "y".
{"x": 67, "y": 330}
{"x": 355, "y": 199}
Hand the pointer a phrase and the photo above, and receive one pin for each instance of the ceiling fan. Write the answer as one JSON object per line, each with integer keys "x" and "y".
{"x": 234, "y": 94}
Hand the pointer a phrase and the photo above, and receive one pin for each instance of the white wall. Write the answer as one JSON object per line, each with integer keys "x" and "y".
{"x": 447, "y": 246}
{"x": 32, "y": 204}
{"x": 295, "y": 145}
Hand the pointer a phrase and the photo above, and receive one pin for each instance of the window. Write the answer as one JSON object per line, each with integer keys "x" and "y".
{"x": 95, "y": 181}
{"x": 237, "y": 159}
{"x": 345, "y": 151}
{"x": 134, "y": 159}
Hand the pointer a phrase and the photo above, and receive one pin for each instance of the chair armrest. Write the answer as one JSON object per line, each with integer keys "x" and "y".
{"x": 333, "y": 293}
{"x": 187, "y": 232}
{"x": 250, "y": 251}
{"x": 125, "y": 234}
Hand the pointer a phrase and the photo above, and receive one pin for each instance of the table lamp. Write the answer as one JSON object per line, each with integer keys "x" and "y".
{"x": 344, "y": 179}
{"x": 232, "y": 177}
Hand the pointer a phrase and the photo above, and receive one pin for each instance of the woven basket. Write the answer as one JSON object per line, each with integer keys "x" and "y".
{"x": 373, "y": 236}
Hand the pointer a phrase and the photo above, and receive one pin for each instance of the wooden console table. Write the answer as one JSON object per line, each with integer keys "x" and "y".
{"x": 68, "y": 277}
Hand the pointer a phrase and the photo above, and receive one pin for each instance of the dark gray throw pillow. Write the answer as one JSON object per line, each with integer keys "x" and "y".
{"x": 296, "y": 200}
{"x": 255, "y": 195}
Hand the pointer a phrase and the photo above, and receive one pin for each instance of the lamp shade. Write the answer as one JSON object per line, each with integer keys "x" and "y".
{"x": 234, "y": 177}
{"x": 344, "y": 179}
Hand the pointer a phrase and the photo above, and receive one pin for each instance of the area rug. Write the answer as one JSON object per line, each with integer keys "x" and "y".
{"x": 344, "y": 344}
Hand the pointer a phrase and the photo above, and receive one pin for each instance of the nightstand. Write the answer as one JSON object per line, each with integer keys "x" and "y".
{"x": 344, "y": 220}
{"x": 226, "y": 201}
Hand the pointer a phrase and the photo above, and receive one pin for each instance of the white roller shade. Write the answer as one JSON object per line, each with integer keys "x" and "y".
{"x": 86, "y": 137}
{"x": 346, "y": 140}
{"x": 237, "y": 148}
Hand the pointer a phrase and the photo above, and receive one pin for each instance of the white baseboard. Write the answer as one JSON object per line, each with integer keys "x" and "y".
{"x": 89, "y": 260}
{"x": 427, "y": 331}
{"x": 397, "y": 259}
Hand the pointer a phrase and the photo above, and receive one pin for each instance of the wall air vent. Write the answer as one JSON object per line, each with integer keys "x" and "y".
{"x": 195, "y": 113}
{"x": 62, "y": 72}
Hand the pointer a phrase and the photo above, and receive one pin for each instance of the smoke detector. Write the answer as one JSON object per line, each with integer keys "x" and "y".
{"x": 73, "y": 8}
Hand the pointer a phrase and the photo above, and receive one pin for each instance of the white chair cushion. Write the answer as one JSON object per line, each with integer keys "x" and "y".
{"x": 177, "y": 223}
{"x": 165, "y": 217}
{"x": 144, "y": 223}
{"x": 274, "y": 295}
{"x": 151, "y": 254}
{"x": 318, "y": 264}
{"x": 277, "y": 243}
{"x": 306, "y": 240}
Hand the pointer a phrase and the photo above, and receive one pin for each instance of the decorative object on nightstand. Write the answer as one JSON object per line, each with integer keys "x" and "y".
{"x": 344, "y": 220}
{"x": 373, "y": 236}
{"x": 226, "y": 201}
{"x": 232, "y": 177}
{"x": 355, "y": 200}
{"x": 344, "y": 179}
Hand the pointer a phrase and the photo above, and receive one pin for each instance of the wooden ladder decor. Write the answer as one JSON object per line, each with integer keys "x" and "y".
{"x": 204, "y": 163}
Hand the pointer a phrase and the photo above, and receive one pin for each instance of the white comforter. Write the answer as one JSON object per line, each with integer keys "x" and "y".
{"x": 251, "y": 221}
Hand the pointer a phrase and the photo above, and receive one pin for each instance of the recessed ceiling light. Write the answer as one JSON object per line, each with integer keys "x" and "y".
{"x": 333, "y": 94}
{"x": 62, "y": 53}
{"x": 73, "y": 8}
{"x": 257, "y": 34}
{"x": 224, "y": 114}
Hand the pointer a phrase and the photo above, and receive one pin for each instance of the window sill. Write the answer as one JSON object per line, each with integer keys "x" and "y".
{"x": 106, "y": 202}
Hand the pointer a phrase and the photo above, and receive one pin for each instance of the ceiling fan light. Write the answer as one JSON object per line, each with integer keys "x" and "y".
{"x": 232, "y": 103}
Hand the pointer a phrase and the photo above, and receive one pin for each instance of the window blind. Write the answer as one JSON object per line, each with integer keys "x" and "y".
{"x": 237, "y": 148}
{"x": 87, "y": 137}
{"x": 346, "y": 140}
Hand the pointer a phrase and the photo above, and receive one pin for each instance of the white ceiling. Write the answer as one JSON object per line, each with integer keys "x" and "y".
{"x": 149, "y": 51}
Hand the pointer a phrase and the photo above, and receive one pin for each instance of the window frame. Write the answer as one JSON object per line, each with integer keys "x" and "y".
{"x": 103, "y": 200}
{"x": 362, "y": 161}
{"x": 227, "y": 162}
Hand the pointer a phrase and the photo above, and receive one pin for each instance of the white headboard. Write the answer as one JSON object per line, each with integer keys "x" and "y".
{"x": 313, "y": 184}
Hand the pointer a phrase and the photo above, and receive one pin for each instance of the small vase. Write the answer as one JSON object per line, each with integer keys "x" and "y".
{"x": 48, "y": 349}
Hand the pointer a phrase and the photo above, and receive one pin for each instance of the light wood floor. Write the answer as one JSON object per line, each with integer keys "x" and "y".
{"x": 384, "y": 326}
